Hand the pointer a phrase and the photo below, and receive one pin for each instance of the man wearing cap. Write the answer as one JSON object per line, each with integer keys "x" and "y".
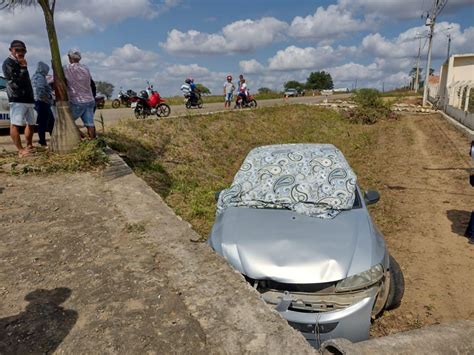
{"x": 81, "y": 99}
{"x": 20, "y": 96}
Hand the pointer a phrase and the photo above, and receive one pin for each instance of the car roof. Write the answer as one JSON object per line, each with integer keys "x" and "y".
{"x": 314, "y": 179}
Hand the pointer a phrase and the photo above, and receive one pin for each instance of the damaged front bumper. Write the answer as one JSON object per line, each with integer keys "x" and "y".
{"x": 326, "y": 316}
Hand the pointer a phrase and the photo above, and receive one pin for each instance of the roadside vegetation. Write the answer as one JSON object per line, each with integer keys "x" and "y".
{"x": 187, "y": 159}
{"x": 370, "y": 107}
{"x": 89, "y": 155}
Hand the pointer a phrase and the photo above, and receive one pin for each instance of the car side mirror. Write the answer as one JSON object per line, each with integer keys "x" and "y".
{"x": 371, "y": 197}
{"x": 217, "y": 194}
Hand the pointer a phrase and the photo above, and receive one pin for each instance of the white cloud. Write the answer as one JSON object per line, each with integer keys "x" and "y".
{"x": 251, "y": 66}
{"x": 110, "y": 11}
{"x": 72, "y": 18}
{"x": 327, "y": 24}
{"x": 405, "y": 45}
{"x": 352, "y": 71}
{"x": 398, "y": 9}
{"x": 296, "y": 58}
{"x": 186, "y": 70}
{"x": 371, "y": 75}
{"x": 240, "y": 36}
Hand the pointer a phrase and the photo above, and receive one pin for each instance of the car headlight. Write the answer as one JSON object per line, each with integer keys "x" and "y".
{"x": 362, "y": 280}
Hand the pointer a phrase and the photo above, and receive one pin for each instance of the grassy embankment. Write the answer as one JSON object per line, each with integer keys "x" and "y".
{"x": 187, "y": 159}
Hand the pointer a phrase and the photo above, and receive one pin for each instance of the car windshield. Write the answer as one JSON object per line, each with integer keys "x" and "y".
{"x": 3, "y": 83}
{"x": 311, "y": 179}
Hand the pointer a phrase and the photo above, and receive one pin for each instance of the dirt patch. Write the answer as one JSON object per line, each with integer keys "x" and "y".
{"x": 426, "y": 202}
{"x": 75, "y": 275}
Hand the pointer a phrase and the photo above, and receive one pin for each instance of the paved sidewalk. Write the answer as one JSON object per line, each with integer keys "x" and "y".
{"x": 99, "y": 264}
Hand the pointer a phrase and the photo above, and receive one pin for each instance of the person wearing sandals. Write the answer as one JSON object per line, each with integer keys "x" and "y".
{"x": 81, "y": 99}
{"x": 43, "y": 99}
{"x": 20, "y": 96}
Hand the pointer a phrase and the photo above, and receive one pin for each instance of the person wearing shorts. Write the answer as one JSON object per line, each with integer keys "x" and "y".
{"x": 229, "y": 88}
{"x": 81, "y": 99}
{"x": 20, "y": 96}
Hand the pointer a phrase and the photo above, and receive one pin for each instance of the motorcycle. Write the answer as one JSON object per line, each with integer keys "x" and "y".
{"x": 194, "y": 102}
{"x": 248, "y": 101}
{"x": 99, "y": 102}
{"x": 124, "y": 98}
{"x": 146, "y": 105}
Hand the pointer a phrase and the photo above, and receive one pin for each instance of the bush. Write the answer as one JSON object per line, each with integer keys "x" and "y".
{"x": 370, "y": 107}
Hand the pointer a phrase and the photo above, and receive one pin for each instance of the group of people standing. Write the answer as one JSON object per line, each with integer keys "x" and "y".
{"x": 31, "y": 100}
{"x": 229, "y": 88}
{"x": 189, "y": 89}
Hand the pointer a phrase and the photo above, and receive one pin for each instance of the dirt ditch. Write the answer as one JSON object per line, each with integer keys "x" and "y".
{"x": 419, "y": 163}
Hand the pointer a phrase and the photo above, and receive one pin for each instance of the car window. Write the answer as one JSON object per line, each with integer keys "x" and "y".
{"x": 3, "y": 83}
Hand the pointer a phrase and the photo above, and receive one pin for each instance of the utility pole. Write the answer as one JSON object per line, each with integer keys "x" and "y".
{"x": 449, "y": 45}
{"x": 417, "y": 76}
{"x": 438, "y": 6}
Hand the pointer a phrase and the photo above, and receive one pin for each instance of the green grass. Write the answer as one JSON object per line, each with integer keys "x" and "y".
{"x": 89, "y": 155}
{"x": 187, "y": 159}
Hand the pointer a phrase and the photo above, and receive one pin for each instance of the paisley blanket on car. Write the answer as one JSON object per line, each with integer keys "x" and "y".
{"x": 310, "y": 179}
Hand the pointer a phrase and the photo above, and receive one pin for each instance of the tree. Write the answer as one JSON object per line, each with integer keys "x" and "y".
{"x": 293, "y": 84}
{"x": 105, "y": 88}
{"x": 202, "y": 89}
{"x": 319, "y": 80}
{"x": 265, "y": 90}
{"x": 66, "y": 135}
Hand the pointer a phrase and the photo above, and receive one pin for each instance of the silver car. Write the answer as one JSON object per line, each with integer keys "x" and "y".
{"x": 4, "y": 105}
{"x": 295, "y": 223}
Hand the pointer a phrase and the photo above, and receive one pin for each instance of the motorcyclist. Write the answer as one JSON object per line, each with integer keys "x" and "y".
{"x": 243, "y": 93}
{"x": 186, "y": 89}
{"x": 194, "y": 90}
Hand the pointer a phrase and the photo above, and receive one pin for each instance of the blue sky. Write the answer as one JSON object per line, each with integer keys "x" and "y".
{"x": 129, "y": 42}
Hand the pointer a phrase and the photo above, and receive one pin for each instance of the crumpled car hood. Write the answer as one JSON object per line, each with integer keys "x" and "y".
{"x": 286, "y": 247}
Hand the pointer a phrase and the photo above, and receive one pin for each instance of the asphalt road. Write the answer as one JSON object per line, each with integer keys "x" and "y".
{"x": 112, "y": 116}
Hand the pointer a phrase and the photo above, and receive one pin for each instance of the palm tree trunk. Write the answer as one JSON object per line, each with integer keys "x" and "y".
{"x": 66, "y": 135}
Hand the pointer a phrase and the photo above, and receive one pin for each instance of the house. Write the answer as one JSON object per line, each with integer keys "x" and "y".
{"x": 456, "y": 81}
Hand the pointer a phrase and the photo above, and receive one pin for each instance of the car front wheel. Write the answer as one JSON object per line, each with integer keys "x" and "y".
{"x": 397, "y": 285}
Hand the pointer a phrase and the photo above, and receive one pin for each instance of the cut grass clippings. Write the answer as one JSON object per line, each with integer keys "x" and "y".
{"x": 187, "y": 159}
{"x": 89, "y": 155}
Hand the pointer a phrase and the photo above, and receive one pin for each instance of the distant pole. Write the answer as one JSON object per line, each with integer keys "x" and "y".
{"x": 383, "y": 87}
{"x": 417, "y": 76}
{"x": 438, "y": 6}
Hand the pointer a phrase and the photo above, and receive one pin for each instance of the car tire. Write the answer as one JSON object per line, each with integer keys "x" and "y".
{"x": 397, "y": 285}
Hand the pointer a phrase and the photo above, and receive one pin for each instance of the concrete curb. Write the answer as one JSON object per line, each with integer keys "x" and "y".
{"x": 465, "y": 130}
{"x": 451, "y": 338}
{"x": 231, "y": 313}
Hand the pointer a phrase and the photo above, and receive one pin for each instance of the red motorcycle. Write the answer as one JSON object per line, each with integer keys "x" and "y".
{"x": 145, "y": 105}
{"x": 246, "y": 101}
